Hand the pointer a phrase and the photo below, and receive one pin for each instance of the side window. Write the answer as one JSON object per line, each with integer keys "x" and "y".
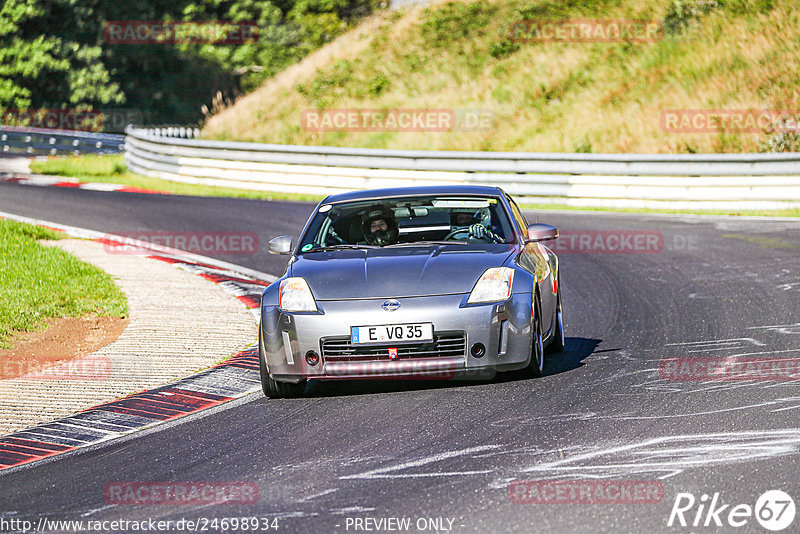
{"x": 518, "y": 215}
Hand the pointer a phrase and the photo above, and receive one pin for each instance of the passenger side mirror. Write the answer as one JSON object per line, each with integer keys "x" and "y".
{"x": 542, "y": 232}
{"x": 280, "y": 245}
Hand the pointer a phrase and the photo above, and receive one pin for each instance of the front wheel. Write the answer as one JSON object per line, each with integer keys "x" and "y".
{"x": 536, "y": 365}
{"x": 273, "y": 388}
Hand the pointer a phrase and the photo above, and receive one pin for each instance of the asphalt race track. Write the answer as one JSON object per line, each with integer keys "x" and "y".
{"x": 606, "y": 409}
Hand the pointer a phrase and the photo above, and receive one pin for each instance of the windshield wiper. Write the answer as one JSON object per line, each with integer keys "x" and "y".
{"x": 424, "y": 243}
{"x": 341, "y": 247}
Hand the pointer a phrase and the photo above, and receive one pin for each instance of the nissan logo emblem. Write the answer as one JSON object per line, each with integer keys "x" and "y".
{"x": 390, "y": 305}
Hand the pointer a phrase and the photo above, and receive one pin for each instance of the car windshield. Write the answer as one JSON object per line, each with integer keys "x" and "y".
{"x": 408, "y": 221}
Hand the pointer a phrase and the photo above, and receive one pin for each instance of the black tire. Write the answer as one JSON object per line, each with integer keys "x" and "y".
{"x": 273, "y": 388}
{"x": 557, "y": 345}
{"x": 536, "y": 365}
{"x": 267, "y": 383}
{"x": 289, "y": 390}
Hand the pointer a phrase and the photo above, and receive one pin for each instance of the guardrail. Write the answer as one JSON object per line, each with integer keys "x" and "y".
{"x": 691, "y": 181}
{"x": 40, "y": 141}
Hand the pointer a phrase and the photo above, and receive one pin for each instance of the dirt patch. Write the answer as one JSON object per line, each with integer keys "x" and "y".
{"x": 64, "y": 339}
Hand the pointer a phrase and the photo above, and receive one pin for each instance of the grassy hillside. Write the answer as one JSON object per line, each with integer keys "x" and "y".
{"x": 541, "y": 96}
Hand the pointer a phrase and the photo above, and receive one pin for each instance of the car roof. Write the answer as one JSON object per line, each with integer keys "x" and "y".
{"x": 371, "y": 194}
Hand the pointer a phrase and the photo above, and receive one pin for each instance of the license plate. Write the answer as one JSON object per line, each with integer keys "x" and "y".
{"x": 391, "y": 333}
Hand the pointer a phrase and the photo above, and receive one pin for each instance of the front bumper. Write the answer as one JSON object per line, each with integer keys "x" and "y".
{"x": 504, "y": 329}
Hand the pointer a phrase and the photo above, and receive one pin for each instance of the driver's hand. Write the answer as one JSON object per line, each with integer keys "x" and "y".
{"x": 478, "y": 231}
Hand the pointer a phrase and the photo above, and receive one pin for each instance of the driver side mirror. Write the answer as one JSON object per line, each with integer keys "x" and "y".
{"x": 280, "y": 245}
{"x": 541, "y": 232}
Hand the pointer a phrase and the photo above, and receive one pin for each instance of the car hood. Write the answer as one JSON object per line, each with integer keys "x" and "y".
{"x": 397, "y": 272}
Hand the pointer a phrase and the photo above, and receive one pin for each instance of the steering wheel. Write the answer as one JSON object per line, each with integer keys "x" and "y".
{"x": 452, "y": 235}
{"x": 333, "y": 238}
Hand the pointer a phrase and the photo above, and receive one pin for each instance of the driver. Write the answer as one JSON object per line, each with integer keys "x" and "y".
{"x": 380, "y": 228}
{"x": 474, "y": 223}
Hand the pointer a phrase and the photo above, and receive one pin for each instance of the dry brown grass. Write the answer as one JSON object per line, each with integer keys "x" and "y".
{"x": 544, "y": 96}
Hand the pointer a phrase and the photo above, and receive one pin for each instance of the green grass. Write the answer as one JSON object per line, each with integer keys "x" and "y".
{"x": 38, "y": 282}
{"x": 761, "y": 241}
{"x": 88, "y": 165}
{"x": 112, "y": 169}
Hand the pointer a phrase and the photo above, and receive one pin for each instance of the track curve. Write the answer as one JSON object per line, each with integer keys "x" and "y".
{"x": 716, "y": 287}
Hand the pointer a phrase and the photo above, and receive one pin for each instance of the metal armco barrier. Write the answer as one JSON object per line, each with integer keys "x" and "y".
{"x": 677, "y": 181}
{"x": 39, "y": 141}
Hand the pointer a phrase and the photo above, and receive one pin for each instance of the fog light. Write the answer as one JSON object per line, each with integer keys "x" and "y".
{"x": 312, "y": 358}
{"x": 478, "y": 350}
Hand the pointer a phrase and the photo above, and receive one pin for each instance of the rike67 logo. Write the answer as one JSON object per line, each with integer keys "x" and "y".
{"x": 774, "y": 510}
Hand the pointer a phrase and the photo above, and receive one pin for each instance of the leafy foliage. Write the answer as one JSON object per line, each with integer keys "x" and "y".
{"x": 53, "y": 53}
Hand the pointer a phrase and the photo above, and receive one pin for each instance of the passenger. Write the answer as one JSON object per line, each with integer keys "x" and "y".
{"x": 380, "y": 228}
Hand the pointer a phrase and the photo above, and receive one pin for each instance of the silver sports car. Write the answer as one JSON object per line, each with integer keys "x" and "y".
{"x": 424, "y": 282}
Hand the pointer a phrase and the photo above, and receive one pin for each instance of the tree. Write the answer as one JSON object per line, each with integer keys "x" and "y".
{"x": 53, "y": 53}
{"x": 45, "y": 60}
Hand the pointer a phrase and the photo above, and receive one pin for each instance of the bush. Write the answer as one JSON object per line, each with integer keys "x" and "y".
{"x": 502, "y": 49}
{"x": 681, "y": 13}
{"x": 379, "y": 84}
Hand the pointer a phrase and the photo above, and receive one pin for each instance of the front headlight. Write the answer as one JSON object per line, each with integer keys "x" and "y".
{"x": 296, "y": 296}
{"x": 493, "y": 285}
